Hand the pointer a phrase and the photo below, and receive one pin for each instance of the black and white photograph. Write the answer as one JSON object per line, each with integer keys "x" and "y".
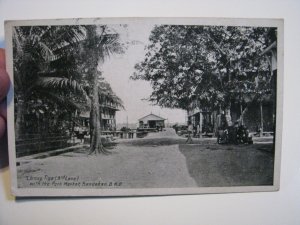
{"x": 144, "y": 106}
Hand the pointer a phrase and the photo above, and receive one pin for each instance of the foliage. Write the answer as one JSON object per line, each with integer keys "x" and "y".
{"x": 210, "y": 64}
{"x": 101, "y": 42}
{"x": 39, "y": 53}
{"x": 52, "y": 73}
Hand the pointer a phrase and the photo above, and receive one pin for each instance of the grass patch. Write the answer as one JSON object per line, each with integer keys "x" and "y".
{"x": 234, "y": 165}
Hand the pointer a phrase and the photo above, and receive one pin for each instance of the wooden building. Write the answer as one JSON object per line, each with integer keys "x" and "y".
{"x": 109, "y": 105}
{"x": 151, "y": 121}
{"x": 259, "y": 116}
{"x": 202, "y": 119}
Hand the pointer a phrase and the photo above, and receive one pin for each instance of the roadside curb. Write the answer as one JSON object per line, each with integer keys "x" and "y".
{"x": 43, "y": 155}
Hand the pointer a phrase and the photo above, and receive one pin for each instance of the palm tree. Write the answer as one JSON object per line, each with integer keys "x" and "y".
{"x": 101, "y": 43}
{"x": 51, "y": 63}
{"x": 37, "y": 50}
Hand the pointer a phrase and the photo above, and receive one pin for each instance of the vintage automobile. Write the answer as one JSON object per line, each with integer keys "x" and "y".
{"x": 181, "y": 130}
{"x": 234, "y": 135}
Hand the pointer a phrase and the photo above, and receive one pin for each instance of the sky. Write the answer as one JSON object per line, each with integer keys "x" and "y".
{"x": 117, "y": 71}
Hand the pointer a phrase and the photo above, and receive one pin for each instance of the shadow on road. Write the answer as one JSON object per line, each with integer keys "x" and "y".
{"x": 229, "y": 165}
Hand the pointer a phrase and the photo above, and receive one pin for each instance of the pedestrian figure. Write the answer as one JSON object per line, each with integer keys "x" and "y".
{"x": 228, "y": 118}
{"x": 189, "y": 139}
{"x": 194, "y": 131}
{"x": 224, "y": 127}
{"x": 198, "y": 131}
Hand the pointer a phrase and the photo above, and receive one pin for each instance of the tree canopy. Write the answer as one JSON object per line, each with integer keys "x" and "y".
{"x": 211, "y": 64}
{"x": 57, "y": 69}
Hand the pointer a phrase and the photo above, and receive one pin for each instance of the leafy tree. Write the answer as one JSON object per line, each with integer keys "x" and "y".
{"x": 213, "y": 65}
{"x": 173, "y": 64}
{"x": 239, "y": 62}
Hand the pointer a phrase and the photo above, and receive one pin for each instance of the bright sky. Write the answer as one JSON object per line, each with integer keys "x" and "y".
{"x": 119, "y": 68}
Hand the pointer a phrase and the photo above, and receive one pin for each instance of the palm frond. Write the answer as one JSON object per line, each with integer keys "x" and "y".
{"x": 64, "y": 101}
{"x": 46, "y": 52}
{"x": 118, "y": 101}
{"x": 105, "y": 91}
{"x": 61, "y": 83}
{"x": 68, "y": 37}
{"x": 17, "y": 40}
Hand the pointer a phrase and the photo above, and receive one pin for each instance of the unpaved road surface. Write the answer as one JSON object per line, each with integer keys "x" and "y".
{"x": 161, "y": 160}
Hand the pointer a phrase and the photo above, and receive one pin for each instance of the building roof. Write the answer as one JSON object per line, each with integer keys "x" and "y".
{"x": 151, "y": 116}
{"x": 85, "y": 114}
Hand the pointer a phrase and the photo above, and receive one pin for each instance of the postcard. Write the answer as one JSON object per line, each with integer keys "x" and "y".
{"x": 144, "y": 106}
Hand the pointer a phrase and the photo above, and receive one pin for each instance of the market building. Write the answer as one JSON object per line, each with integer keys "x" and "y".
{"x": 151, "y": 121}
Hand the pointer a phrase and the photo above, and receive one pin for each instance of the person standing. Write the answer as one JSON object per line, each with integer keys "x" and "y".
{"x": 228, "y": 118}
{"x": 198, "y": 131}
{"x": 189, "y": 139}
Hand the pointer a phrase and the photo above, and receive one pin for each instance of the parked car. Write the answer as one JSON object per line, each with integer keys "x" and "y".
{"x": 181, "y": 130}
{"x": 234, "y": 135}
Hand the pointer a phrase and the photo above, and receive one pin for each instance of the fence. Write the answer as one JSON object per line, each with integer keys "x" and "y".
{"x": 35, "y": 143}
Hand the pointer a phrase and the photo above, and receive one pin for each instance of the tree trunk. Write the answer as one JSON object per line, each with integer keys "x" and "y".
{"x": 201, "y": 125}
{"x": 242, "y": 115}
{"x": 261, "y": 120}
{"x": 96, "y": 142}
{"x": 19, "y": 119}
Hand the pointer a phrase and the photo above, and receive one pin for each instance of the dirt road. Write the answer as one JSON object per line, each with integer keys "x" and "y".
{"x": 160, "y": 160}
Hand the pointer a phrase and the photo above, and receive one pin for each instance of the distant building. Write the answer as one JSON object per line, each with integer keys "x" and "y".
{"x": 201, "y": 118}
{"x": 109, "y": 105}
{"x": 271, "y": 53}
{"x": 108, "y": 117}
{"x": 151, "y": 121}
{"x": 260, "y": 116}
